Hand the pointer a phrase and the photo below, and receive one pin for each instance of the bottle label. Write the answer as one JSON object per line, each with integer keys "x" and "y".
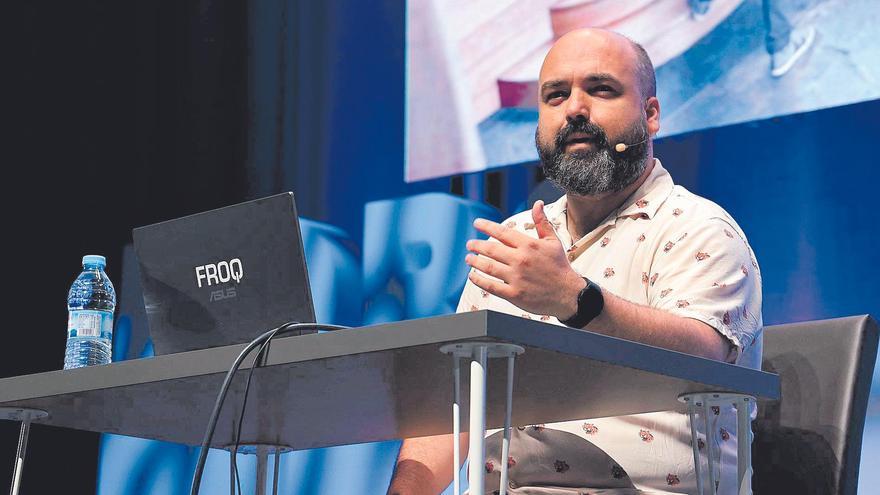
{"x": 90, "y": 323}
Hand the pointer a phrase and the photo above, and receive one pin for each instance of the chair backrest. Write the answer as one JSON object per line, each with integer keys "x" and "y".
{"x": 810, "y": 441}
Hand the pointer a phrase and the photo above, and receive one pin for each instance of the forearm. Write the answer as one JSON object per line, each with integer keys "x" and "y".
{"x": 424, "y": 465}
{"x": 627, "y": 320}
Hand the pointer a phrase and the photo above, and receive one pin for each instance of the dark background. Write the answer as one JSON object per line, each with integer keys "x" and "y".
{"x": 120, "y": 114}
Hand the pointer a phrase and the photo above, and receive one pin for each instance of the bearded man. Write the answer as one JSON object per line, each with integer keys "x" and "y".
{"x": 625, "y": 253}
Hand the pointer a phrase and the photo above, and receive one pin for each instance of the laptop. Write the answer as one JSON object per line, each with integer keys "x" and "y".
{"x": 224, "y": 276}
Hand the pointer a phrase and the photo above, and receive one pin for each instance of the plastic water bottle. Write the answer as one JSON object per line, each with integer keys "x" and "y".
{"x": 90, "y": 305}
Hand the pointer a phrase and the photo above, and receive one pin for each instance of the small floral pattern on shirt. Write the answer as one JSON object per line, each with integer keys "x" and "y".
{"x": 561, "y": 466}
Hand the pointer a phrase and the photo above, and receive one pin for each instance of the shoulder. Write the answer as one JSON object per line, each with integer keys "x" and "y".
{"x": 686, "y": 210}
{"x": 692, "y": 227}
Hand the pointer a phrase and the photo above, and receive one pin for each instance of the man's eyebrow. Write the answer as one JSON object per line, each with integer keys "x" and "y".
{"x": 556, "y": 84}
{"x": 602, "y": 76}
{"x": 592, "y": 78}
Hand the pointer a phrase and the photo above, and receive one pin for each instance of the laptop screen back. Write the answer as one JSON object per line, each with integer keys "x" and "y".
{"x": 223, "y": 276}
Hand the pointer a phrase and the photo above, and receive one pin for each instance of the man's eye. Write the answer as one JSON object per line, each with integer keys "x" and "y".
{"x": 556, "y": 95}
{"x": 604, "y": 88}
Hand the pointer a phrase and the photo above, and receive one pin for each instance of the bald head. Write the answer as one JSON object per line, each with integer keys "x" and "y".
{"x": 582, "y": 45}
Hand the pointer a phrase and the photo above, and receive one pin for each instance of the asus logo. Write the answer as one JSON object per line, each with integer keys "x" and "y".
{"x": 221, "y": 272}
{"x": 219, "y": 295}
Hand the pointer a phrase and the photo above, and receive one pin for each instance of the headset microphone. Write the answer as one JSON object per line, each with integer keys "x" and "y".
{"x": 621, "y": 147}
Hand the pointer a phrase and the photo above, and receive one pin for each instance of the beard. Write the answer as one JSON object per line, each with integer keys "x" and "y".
{"x": 599, "y": 169}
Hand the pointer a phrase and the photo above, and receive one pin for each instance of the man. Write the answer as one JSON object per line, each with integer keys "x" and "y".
{"x": 624, "y": 253}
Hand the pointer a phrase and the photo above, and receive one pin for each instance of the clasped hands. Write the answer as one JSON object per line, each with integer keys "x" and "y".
{"x": 533, "y": 274}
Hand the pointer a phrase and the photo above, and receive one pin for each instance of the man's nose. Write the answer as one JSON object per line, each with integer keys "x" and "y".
{"x": 578, "y": 107}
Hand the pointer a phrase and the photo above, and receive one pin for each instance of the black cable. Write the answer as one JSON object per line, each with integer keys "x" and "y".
{"x": 224, "y": 389}
{"x": 259, "y": 361}
{"x": 218, "y": 404}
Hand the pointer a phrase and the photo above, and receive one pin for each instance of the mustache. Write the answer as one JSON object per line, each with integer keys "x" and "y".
{"x": 600, "y": 137}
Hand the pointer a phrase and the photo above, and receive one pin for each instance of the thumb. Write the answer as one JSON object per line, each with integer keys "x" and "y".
{"x": 542, "y": 224}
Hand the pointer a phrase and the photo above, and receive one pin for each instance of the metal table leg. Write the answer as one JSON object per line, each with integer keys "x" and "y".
{"x": 231, "y": 473}
{"x": 477, "y": 449}
{"x": 262, "y": 451}
{"x": 505, "y": 442}
{"x": 479, "y": 353}
{"x": 456, "y": 426}
{"x": 744, "y": 438}
{"x": 704, "y": 401}
{"x": 25, "y": 417}
{"x": 262, "y": 469}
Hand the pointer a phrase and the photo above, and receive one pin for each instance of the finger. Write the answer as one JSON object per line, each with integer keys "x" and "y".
{"x": 542, "y": 223}
{"x": 493, "y": 287}
{"x": 489, "y": 266}
{"x": 494, "y": 250}
{"x": 504, "y": 234}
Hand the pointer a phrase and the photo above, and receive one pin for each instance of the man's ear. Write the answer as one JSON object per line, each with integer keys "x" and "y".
{"x": 652, "y": 115}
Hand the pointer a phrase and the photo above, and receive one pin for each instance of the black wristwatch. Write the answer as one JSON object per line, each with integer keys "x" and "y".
{"x": 589, "y": 304}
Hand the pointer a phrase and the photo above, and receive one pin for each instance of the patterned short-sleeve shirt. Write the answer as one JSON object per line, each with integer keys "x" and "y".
{"x": 665, "y": 248}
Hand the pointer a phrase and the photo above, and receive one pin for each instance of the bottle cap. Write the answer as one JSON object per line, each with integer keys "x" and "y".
{"x": 94, "y": 259}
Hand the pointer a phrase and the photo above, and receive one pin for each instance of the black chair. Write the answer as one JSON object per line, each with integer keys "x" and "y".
{"x": 810, "y": 441}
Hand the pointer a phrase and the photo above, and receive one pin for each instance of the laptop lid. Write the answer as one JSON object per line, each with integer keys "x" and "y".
{"x": 223, "y": 276}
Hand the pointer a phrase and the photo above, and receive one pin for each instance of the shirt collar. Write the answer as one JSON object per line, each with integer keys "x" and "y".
{"x": 645, "y": 201}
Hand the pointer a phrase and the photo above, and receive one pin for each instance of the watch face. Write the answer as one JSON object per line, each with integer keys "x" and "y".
{"x": 592, "y": 299}
{"x": 589, "y": 304}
